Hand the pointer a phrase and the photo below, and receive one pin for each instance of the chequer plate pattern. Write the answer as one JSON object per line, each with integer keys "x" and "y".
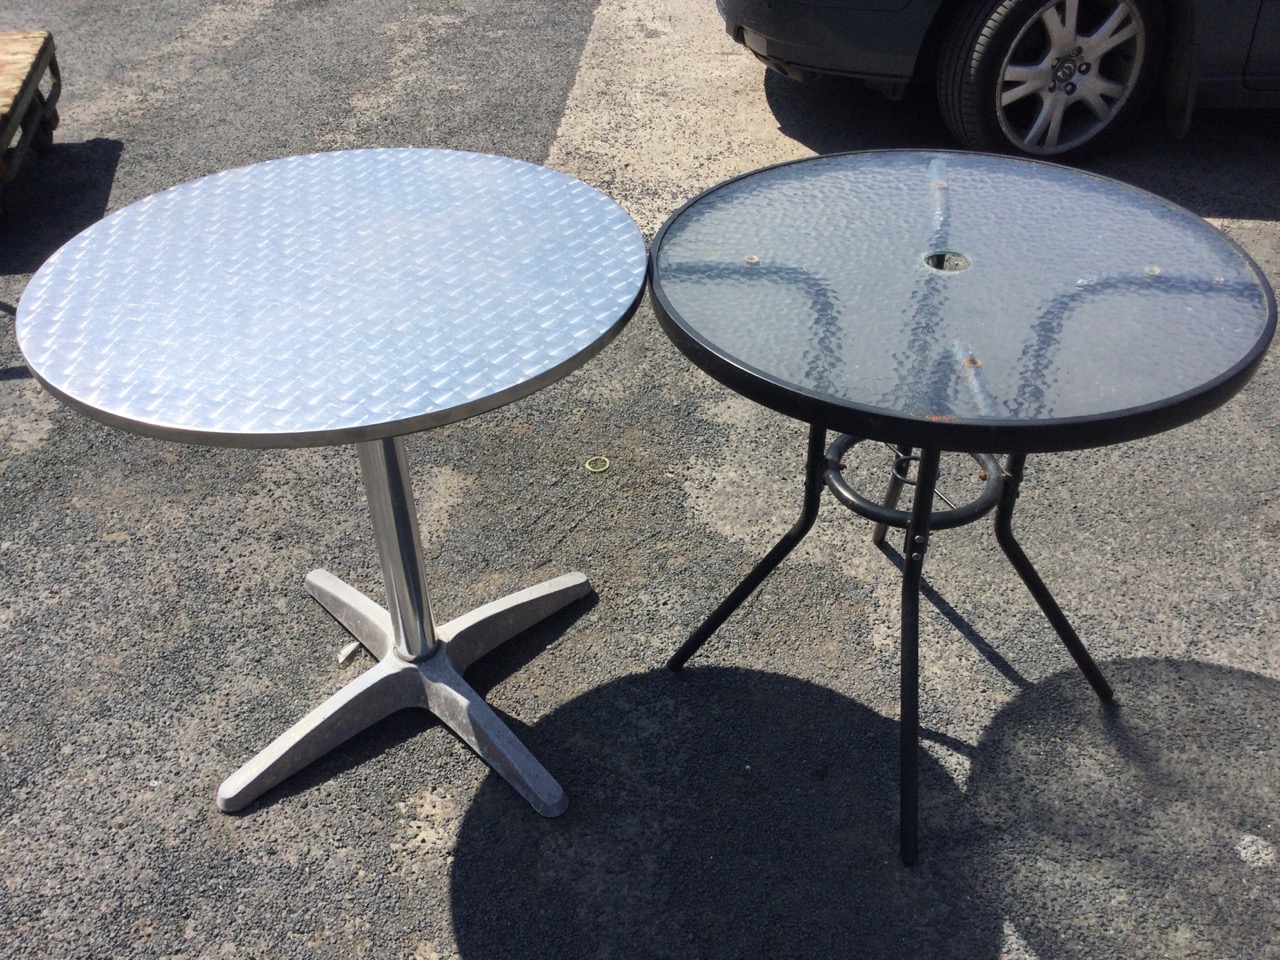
{"x": 334, "y": 297}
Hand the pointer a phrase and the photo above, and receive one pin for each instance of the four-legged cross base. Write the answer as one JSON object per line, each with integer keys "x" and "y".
{"x": 434, "y": 684}
{"x": 420, "y": 662}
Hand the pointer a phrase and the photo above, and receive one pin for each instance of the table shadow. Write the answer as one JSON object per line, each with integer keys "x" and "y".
{"x": 957, "y": 620}
{"x": 1147, "y": 830}
{"x": 55, "y": 196}
{"x": 404, "y": 725}
{"x": 718, "y": 813}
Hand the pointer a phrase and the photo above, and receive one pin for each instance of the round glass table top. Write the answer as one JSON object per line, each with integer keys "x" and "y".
{"x": 960, "y": 301}
{"x": 332, "y": 298}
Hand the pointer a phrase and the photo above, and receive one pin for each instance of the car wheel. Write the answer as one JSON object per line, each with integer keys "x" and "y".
{"x": 1047, "y": 77}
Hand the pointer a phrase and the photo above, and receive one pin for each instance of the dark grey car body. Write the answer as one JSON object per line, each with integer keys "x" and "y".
{"x": 1219, "y": 53}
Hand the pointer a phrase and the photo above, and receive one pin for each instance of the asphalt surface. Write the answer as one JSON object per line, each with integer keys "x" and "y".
{"x": 155, "y": 632}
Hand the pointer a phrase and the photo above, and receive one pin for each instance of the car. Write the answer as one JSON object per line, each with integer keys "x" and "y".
{"x": 1048, "y": 78}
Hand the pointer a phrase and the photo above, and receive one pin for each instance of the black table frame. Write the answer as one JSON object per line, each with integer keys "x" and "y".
{"x": 1015, "y": 438}
{"x": 918, "y": 529}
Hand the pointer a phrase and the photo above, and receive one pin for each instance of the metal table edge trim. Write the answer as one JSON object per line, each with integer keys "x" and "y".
{"x": 1001, "y": 436}
{"x": 342, "y": 436}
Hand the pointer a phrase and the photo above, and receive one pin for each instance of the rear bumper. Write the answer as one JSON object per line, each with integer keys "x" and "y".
{"x": 871, "y": 39}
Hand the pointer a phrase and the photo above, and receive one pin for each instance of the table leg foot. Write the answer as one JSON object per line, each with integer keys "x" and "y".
{"x": 434, "y": 684}
{"x": 469, "y": 637}
{"x": 1027, "y": 572}
{"x": 379, "y": 692}
{"x": 453, "y": 700}
{"x": 364, "y": 619}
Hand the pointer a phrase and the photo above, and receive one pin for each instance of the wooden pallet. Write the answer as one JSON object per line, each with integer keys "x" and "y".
{"x": 28, "y": 115}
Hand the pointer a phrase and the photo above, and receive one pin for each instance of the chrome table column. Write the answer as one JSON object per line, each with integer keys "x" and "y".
{"x": 419, "y": 665}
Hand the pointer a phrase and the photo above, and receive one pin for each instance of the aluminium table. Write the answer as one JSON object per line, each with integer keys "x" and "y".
{"x": 943, "y": 301}
{"x": 348, "y": 297}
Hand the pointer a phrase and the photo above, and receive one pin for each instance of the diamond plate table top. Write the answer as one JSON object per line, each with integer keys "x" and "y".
{"x": 332, "y": 298}
{"x": 961, "y": 301}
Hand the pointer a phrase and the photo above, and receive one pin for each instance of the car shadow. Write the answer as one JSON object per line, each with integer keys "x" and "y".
{"x": 1223, "y": 167}
{"x": 834, "y": 115}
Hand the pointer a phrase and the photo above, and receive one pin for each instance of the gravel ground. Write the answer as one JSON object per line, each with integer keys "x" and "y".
{"x": 155, "y": 631}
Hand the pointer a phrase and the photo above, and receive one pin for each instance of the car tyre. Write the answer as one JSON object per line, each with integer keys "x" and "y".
{"x": 1047, "y": 77}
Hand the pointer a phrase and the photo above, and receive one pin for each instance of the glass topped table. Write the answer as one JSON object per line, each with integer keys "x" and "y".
{"x": 349, "y": 297}
{"x": 948, "y": 301}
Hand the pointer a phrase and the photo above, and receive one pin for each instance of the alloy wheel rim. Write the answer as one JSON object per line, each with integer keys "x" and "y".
{"x": 1071, "y": 70}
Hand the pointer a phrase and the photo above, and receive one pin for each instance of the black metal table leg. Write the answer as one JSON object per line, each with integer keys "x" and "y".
{"x": 813, "y": 469}
{"x": 891, "y": 496}
{"x": 1013, "y": 550}
{"x": 913, "y": 550}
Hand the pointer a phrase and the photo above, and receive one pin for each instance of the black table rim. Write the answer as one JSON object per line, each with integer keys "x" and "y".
{"x": 964, "y": 435}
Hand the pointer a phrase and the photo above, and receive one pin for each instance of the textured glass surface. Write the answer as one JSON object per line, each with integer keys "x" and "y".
{"x": 322, "y": 298}
{"x": 1066, "y": 295}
